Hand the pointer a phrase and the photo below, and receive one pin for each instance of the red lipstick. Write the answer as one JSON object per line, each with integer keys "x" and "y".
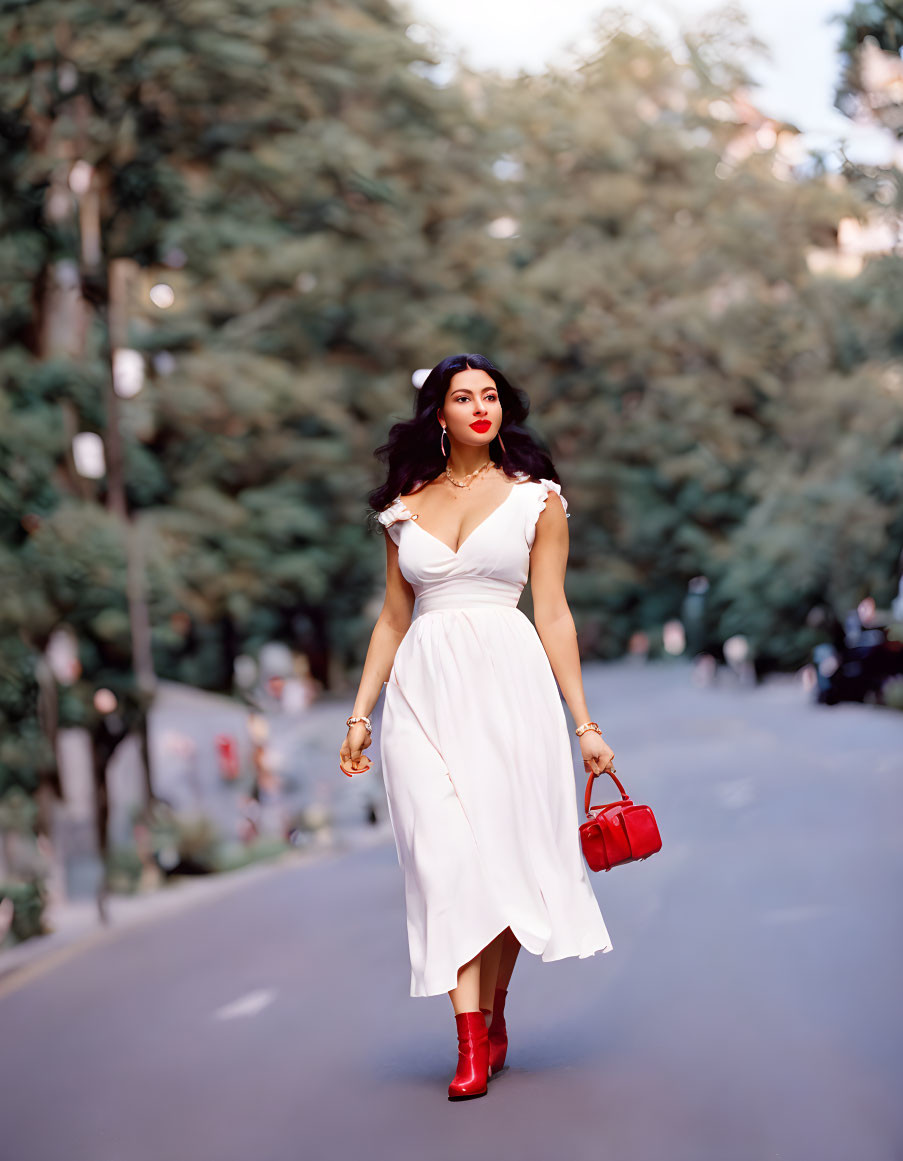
{"x": 481, "y": 425}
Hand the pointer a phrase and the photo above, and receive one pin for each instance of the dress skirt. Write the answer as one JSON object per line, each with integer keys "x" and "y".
{"x": 479, "y": 777}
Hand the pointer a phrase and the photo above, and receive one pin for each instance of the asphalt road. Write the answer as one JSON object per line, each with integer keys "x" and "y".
{"x": 750, "y": 1009}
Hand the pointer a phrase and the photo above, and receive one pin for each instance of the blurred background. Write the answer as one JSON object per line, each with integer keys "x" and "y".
{"x": 232, "y": 235}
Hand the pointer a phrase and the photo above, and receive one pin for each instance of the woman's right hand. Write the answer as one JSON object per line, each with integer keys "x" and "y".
{"x": 596, "y": 752}
{"x": 357, "y": 740}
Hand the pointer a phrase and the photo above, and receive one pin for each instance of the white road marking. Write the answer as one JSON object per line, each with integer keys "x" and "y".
{"x": 802, "y": 911}
{"x": 250, "y": 1005}
{"x": 737, "y": 794}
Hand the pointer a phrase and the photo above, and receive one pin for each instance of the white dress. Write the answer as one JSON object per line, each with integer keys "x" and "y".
{"x": 476, "y": 754}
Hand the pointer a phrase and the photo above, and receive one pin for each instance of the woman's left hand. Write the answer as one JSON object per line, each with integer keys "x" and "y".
{"x": 597, "y": 754}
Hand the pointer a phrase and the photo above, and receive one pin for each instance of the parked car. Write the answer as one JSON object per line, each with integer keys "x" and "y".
{"x": 858, "y": 669}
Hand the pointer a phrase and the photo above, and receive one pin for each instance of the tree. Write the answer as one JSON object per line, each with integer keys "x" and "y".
{"x": 287, "y": 170}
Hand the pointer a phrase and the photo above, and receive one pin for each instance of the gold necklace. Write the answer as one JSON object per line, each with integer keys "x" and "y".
{"x": 469, "y": 476}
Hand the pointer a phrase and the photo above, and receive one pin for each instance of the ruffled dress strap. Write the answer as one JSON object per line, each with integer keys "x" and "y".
{"x": 390, "y": 517}
{"x": 551, "y": 486}
{"x": 540, "y": 495}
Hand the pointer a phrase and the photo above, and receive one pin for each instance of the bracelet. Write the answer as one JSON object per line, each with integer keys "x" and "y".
{"x": 351, "y": 720}
{"x": 588, "y": 726}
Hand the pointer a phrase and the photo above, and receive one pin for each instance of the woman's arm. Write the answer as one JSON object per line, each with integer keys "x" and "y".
{"x": 555, "y": 625}
{"x": 391, "y": 625}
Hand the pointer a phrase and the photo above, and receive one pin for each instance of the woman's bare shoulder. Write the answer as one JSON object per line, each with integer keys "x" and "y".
{"x": 421, "y": 488}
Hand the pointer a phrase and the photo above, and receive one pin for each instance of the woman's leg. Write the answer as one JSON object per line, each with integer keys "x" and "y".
{"x": 489, "y": 970}
{"x": 507, "y": 958}
{"x": 472, "y": 1073}
{"x": 466, "y": 996}
{"x": 477, "y": 978}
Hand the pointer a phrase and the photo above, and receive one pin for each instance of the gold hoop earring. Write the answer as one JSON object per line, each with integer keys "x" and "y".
{"x": 441, "y": 445}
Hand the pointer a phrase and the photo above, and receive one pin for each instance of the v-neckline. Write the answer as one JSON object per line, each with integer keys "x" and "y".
{"x": 415, "y": 516}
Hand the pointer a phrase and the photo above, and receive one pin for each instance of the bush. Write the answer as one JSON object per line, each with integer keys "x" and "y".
{"x": 197, "y": 840}
{"x": 124, "y": 870}
{"x": 28, "y": 901}
{"x": 234, "y": 855}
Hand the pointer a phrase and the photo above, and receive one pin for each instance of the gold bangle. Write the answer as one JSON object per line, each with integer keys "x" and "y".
{"x": 588, "y": 726}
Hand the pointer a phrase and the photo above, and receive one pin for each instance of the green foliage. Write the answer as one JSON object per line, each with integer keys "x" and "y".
{"x": 320, "y": 209}
{"x": 715, "y": 407}
{"x": 123, "y": 870}
{"x": 231, "y": 857}
{"x": 25, "y": 750}
{"x": 881, "y": 24}
{"x": 29, "y": 900}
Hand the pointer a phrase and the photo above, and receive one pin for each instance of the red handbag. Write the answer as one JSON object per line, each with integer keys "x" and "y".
{"x": 617, "y": 832}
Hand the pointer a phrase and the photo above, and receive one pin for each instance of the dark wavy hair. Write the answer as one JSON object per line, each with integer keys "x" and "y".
{"x": 412, "y": 453}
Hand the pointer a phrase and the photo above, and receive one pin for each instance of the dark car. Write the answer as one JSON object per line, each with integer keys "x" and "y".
{"x": 857, "y": 669}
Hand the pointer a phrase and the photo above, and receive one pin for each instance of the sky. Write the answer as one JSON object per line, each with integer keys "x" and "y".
{"x": 796, "y": 84}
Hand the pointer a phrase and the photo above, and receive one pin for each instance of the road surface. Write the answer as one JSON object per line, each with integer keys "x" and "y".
{"x": 751, "y": 1007}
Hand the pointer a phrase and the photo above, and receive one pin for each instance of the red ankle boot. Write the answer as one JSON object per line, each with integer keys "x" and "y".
{"x": 498, "y": 1033}
{"x": 472, "y": 1074}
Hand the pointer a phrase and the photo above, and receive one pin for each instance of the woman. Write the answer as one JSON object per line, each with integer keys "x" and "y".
{"x": 474, "y": 743}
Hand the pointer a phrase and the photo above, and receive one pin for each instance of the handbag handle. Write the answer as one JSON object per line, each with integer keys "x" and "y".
{"x": 589, "y": 789}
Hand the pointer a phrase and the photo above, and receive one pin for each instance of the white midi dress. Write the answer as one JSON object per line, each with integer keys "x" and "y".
{"x": 476, "y": 754}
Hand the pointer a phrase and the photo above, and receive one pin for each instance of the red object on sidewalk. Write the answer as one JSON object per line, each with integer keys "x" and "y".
{"x": 227, "y": 754}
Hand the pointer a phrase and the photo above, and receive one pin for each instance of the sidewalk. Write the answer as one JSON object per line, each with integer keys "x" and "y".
{"x": 76, "y": 925}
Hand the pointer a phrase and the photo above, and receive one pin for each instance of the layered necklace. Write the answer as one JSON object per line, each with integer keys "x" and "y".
{"x": 466, "y": 482}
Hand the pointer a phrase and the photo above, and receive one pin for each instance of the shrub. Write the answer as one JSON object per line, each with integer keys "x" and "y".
{"x": 28, "y": 901}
